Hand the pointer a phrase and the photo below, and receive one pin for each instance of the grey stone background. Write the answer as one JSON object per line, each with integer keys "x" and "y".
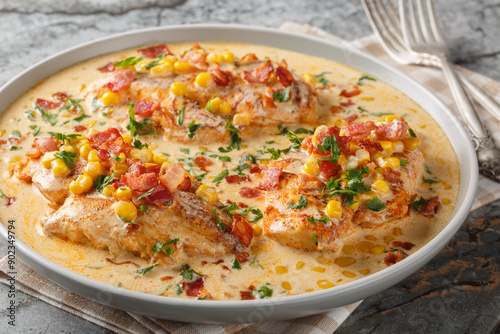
{"x": 457, "y": 292}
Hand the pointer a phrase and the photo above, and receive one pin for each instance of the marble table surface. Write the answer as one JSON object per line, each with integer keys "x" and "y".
{"x": 457, "y": 292}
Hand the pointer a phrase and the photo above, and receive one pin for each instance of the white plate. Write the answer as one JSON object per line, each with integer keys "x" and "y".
{"x": 268, "y": 309}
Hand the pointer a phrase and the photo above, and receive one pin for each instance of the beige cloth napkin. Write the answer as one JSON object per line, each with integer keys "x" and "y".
{"x": 31, "y": 282}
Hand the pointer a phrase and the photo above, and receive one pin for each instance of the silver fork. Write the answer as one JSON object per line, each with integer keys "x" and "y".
{"x": 423, "y": 44}
{"x": 384, "y": 19}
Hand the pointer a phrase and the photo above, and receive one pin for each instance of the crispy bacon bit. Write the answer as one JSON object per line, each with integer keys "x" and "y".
{"x": 393, "y": 257}
{"x": 360, "y": 129}
{"x": 160, "y": 196}
{"x": 246, "y": 295}
{"x": 247, "y": 192}
{"x": 60, "y": 96}
{"x": 369, "y": 145}
{"x": 218, "y": 261}
{"x": 394, "y": 177}
{"x": 154, "y": 51}
{"x": 430, "y": 207}
{"x": 284, "y": 76}
{"x": 347, "y": 104}
{"x": 259, "y": 74}
{"x": 121, "y": 263}
{"x": 120, "y": 80}
{"x": 196, "y": 59}
{"x": 109, "y": 67}
{"x": 392, "y": 131}
{"x": 48, "y": 105}
{"x": 405, "y": 245}
{"x": 103, "y": 154}
{"x": 335, "y": 109}
{"x": 146, "y": 108}
{"x": 194, "y": 289}
{"x": 46, "y": 144}
{"x": 257, "y": 169}
{"x": 307, "y": 144}
{"x": 268, "y": 102}
{"x": 237, "y": 179}
{"x": 248, "y": 59}
{"x": 109, "y": 135}
{"x": 271, "y": 179}
{"x": 174, "y": 177}
{"x": 242, "y": 230}
{"x": 343, "y": 141}
{"x": 137, "y": 168}
{"x": 328, "y": 169}
{"x": 242, "y": 257}
{"x": 351, "y": 118}
{"x": 221, "y": 78}
{"x": 166, "y": 278}
{"x": 140, "y": 183}
{"x": 10, "y": 201}
{"x": 355, "y": 91}
{"x": 79, "y": 128}
{"x": 242, "y": 205}
{"x": 202, "y": 162}
{"x": 132, "y": 227}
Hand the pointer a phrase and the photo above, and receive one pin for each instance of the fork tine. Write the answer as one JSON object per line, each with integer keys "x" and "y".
{"x": 433, "y": 21}
{"x": 405, "y": 27}
{"x": 392, "y": 19}
{"x": 414, "y": 23}
{"x": 426, "y": 29}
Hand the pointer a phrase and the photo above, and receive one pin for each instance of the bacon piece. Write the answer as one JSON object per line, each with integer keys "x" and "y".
{"x": 120, "y": 80}
{"x": 140, "y": 183}
{"x": 284, "y": 76}
{"x": 430, "y": 207}
{"x": 242, "y": 257}
{"x": 394, "y": 177}
{"x": 44, "y": 145}
{"x": 359, "y": 129}
{"x": 343, "y": 141}
{"x": 237, "y": 179}
{"x": 60, "y": 96}
{"x": 121, "y": 263}
{"x": 259, "y": 74}
{"x": 242, "y": 230}
{"x": 117, "y": 147}
{"x": 247, "y": 295}
{"x": 328, "y": 169}
{"x": 174, "y": 176}
{"x": 146, "y": 108}
{"x": 248, "y": 59}
{"x": 137, "y": 168}
{"x": 355, "y": 91}
{"x": 103, "y": 154}
{"x": 257, "y": 169}
{"x": 351, "y": 118}
{"x": 109, "y": 67}
{"x": 335, "y": 109}
{"x": 271, "y": 179}
{"x": 221, "y": 78}
{"x": 196, "y": 60}
{"x": 393, "y": 257}
{"x": 194, "y": 289}
{"x": 369, "y": 145}
{"x": 347, "y": 104}
{"x": 307, "y": 144}
{"x": 268, "y": 102}
{"x": 10, "y": 201}
{"x": 166, "y": 278}
{"x": 405, "y": 245}
{"x": 154, "y": 51}
{"x": 48, "y": 105}
{"x": 247, "y": 192}
{"x": 392, "y": 131}
{"x": 79, "y": 128}
{"x": 202, "y": 162}
{"x": 160, "y": 196}
{"x": 109, "y": 135}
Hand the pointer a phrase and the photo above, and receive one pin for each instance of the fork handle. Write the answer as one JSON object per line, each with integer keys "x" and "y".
{"x": 462, "y": 100}
{"x": 490, "y": 104}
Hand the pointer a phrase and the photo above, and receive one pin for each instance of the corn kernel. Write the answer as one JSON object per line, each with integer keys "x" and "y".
{"x": 367, "y": 196}
{"x": 94, "y": 169}
{"x": 84, "y": 151}
{"x": 325, "y": 284}
{"x": 411, "y": 143}
{"x": 365, "y": 246}
{"x": 377, "y": 249}
{"x": 111, "y": 98}
{"x": 215, "y": 58}
{"x": 348, "y": 249}
{"x": 75, "y": 188}
{"x": 14, "y": 159}
{"x": 318, "y": 269}
{"x": 160, "y": 158}
{"x": 82, "y": 184}
{"x": 208, "y": 193}
{"x": 353, "y": 147}
{"x": 170, "y": 58}
{"x": 180, "y": 66}
{"x": 215, "y": 104}
{"x": 93, "y": 156}
{"x": 264, "y": 162}
{"x": 144, "y": 155}
{"x": 388, "y": 147}
{"x": 388, "y": 239}
{"x": 119, "y": 169}
{"x": 342, "y": 160}
{"x": 229, "y": 57}
{"x": 344, "y": 261}
{"x": 166, "y": 165}
{"x": 390, "y": 118}
{"x": 371, "y": 237}
{"x": 204, "y": 79}
{"x": 367, "y": 98}
{"x": 309, "y": 290}
{"x": 178, "y": 88}
{"x": 286, "y": 286}
{"x": 47, "y": 159}
{"x": 125, "y": 210}
{"x": 240, "y": 119}
{"x": 349, "y": 274}
{"x": 392, "y": 162}
{"x": 446, "y": 201}
{"x": 364, "y": 271}
{"x": 311, "y": 167}
{"x": 399, "y": 146}
{"x": 310, "y": 79}
{"x": 324, "y": 260}
{"x": 319, "y": 129}
{"x": 225, "y": 108}
{"x": 257, "y": 231}
{"x": 397, "y": 231}
{"x": 109, "y": 190}
{"x": 334, "y": 209}
{"x": 281, "y": 270}
{"x": 164, "y": 68}
{"x": 381, "y": 187}
{"x": 59, "y": 168}
{"x": 446, "y": 185}
{"x": 362, "y": 155}
{"x": 127, "y": 138}
{"x": 300, "y": 265}
{"x": 124, "y": 192}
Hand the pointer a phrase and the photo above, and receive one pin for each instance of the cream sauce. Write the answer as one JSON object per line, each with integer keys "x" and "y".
{"x": 288, "y": 271}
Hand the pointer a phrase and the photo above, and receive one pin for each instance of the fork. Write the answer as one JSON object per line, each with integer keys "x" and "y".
{"x": 388, "y": 31}
{"x": 423, "y": 44}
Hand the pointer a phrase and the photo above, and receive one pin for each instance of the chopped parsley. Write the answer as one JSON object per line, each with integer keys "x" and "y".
{"x": 362, "y": 110}
{"x": 430, "y": 181}
{"x": 417, "y": 204}
{"x": 235, "y": 264}
{"x": 403, "y": 162}
{"x": 363, "y": 78}
{"x": 220, "y": 176}
{"x": 257, "y": 214}
{"x": 313, "y": 220}
{"x": 81, "y": 117}
{"x": 411, "y": 132}
{"x": 36, "y": 130}
{"x": 47, "y": 117}
{"x": 282, "y": 95}
{"x": 160, "y": 247}
{"x": 147, "y": 193}
{"x": 185, "y": 150}
{"x": 15, "y": 148}
{"x": 221, "y": 224}
{"x": 72, "y": 104}
{"x": 135, "y": 127}
{"x": 155, "y": 62}
{"x": 67, "y": 157}
{"x": 143, "y": 208}
{"x": 30, "y": 114}
{"x": 247, "y": 157}
{"x": 263, "y": 292}
{"x": 180, "y": 117}
{"x": 96, "y": 106}
{"x": 144, "y": 271}
{"x": 102, "y": 181}
{"x": 296, "y": 140}
{"x": 169, "y": 202}
{"x": 178, "y": 289}
{"x": 65, "y": 139}
{"x": 277, "y": 153}
{"x": 192, "y": 128}
{"x": 315, "y": 239}
{"x": 188, "y": 273}
{"x": 220, "y": 157}
{"x": 16, "y": 134}
{"x": 375, "y": 205}
{"x": 302, "y": 203}
{"x": 241, "y": 168}
{"x": 130, "y": 61}
{"x": 321, "y": 78}
{"x": 329, "y": 144}
{"x": 234, "y": 138}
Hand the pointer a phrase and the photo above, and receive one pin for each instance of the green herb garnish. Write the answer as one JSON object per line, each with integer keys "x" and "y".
{"x": 130, "y": 61}
{"x": 68, "y": 158}
{"x": 235, "y": 264}
{"x": 144, "y": 271}
{"x": 147, "y": 193}
{"x": 364, "y": 77}
{"x": 375, "y": 205}
{"x": 282, "y": 95}
{"x": 302, "y": 203}
{"x": 180, "y": 117}
{"x": 160, "y": 247}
